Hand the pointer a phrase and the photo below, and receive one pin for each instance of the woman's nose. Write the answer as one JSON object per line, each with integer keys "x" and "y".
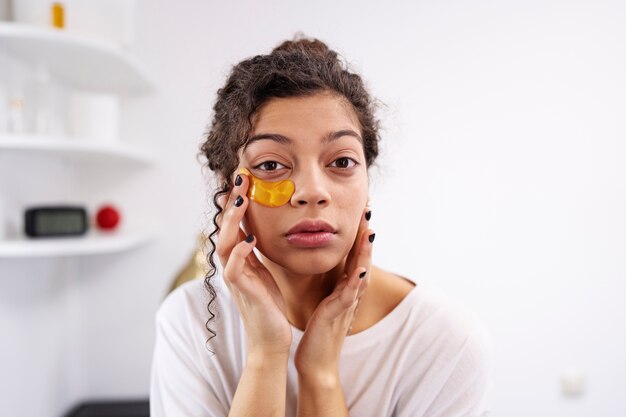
{"x": 311, "y": 189}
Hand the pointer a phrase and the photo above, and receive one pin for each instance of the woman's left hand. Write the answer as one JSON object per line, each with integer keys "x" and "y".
{"x": 317, "y": 355}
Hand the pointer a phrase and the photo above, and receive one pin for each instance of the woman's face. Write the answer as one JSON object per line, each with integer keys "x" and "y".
{"x": 314, "y": 141}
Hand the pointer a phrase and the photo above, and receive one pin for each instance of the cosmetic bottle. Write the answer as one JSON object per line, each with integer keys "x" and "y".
{"x": 58, "y": 15}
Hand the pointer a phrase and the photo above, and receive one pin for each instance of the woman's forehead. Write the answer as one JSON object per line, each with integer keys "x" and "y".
{"x": 320, "y": 112}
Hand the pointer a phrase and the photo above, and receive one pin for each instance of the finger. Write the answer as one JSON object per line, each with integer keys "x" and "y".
{"x": 361, "y": 252}
{"x": 222, "y": 203}
{"x": 347, "y": 296}
{"x": 233, "y": 214}
{"x": 227, "y": 199}
{"x": 234, "y": 269}
{"x": 253, "y": 261}
{"x": 363, "y": 225}
{"x": 251, "y": 258}
{"x": 363, "y": 257}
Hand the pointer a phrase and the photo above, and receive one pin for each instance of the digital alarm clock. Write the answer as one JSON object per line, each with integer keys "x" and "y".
{"x": 47, "y": 221}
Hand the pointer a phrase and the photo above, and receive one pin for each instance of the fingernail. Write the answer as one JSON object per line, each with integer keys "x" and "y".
{"x": 372, "y": 237}
{"x": 362, "y": 274}
{"x": 250, "y": 238}
{"x": 238, "y": 180}
{"x": 368, "y": 215}
{"x": 238, "y": 201}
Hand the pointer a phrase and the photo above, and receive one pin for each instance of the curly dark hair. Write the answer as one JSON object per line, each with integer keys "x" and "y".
{"x": 297, "y": 67}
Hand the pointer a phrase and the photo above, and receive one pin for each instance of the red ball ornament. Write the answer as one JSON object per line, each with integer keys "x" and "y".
{"x": 107, "y": 218}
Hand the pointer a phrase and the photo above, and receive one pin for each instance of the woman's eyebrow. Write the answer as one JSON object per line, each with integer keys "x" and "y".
{"x": 345, "y": 132}
{"x": 284, "y": 140}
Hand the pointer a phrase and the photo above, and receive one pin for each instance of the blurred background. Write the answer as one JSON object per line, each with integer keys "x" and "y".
{"x": 501, "y": 180}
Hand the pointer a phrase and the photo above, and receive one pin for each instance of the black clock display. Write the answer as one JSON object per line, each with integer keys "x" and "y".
{"x": 55, "y": 221}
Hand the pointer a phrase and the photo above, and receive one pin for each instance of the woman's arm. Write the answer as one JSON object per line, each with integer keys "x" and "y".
{"x": 321, "y": 396}
{"x": 317, "y": 358}
{"x": 262, "y": 387}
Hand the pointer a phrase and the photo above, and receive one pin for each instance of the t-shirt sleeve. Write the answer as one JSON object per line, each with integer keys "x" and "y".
{"x": 179, "y": 386}
{"x": 461, "y": 383}
{"x": 468, "y": 390}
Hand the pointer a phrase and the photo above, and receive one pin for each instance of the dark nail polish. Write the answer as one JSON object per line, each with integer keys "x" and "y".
{"x": 239, "y": 201}
{"x": 372, "y": 237}
{"x": 368, "y": 215}
{"x": 250, "y": 238}
{"x": 238, "y": 180}
{"x": 362, "y": 274}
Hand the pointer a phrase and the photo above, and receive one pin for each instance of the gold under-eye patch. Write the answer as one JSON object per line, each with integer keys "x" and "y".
{"x": 270, "y": 194}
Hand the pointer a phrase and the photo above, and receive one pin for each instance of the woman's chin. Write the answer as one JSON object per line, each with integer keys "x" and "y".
{"x": 311, "y": 269}
{"x": 308, "y": 266}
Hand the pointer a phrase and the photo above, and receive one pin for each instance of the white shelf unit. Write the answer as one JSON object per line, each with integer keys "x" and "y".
{"x": 74, "y": 149}
{"x": 81, "y": 64}
{"x": 86, "y": 64}
{"x": 94, "y": 243}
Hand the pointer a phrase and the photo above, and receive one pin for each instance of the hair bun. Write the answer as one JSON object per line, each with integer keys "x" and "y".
{"x": 302, "y": 44}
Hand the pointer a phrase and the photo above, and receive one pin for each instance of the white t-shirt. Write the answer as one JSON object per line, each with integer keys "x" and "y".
{"x": 427, "y": 358}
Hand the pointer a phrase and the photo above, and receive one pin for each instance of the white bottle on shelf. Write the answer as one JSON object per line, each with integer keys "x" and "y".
{"x": 16, "y": 113}
{"x": 48, "y": 101}
{"x": 15, "y": 76}
{"x": 32, "y": 12}
{"x": 42, "y": 106}
{"x": 94, "y": 117}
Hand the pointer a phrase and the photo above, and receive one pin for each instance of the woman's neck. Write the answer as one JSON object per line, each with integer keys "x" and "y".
{"x": 303, "y": 293}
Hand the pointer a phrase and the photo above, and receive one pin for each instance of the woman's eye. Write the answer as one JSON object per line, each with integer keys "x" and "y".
{"x": 269, "y": 166}
{"x": 344, "y": 162}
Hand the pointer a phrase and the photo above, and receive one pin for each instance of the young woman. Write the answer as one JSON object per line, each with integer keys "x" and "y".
{"x": 306, "y": 325}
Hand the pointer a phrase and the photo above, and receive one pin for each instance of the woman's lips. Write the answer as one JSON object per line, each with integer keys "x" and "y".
{"x": 310, "y": 239}
{"x": 311, "y": 233}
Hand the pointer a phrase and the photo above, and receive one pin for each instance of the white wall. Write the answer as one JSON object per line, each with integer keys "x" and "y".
{"x": 501, "y": 181}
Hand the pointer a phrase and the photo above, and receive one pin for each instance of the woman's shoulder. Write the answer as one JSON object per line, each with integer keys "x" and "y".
{"x": 192, "y": 364}
{"x": 426, "y": 312}
{"x": 185, "y": 300}
{"x": 417, "y": 313}
{"x": 425, "y": 303}
{"x": 438, "y": 312}
{"x": 455, "y": 336}
{"x": 447, "y": 326}
{"x": 190, "y": 306}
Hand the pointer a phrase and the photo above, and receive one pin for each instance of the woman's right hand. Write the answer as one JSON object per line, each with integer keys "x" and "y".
{"x": 251, "y": 285}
